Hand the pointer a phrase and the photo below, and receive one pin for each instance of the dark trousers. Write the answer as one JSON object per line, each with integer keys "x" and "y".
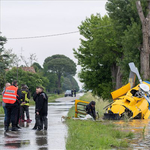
{"x": 24, "y": 108}
{"x": 5, "y": 112}
{"x": 18, "y": 114}
{"x": 41, "y": 121}
{"x": 12, "y": 114}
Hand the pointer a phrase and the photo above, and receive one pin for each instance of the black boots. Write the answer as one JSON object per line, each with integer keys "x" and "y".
{"x": 6, "y": 128}
{"x": 18, "y": 127}
{"x": 14, "y": 129}
{"x": 45, "y": 122}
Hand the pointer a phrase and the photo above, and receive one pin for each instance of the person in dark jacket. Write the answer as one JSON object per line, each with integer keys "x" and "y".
{"x": 74, "y": 91}
{"x": 13, "y": 111}
{"x": 41, "y": 109}
{"x": 90, "y": 109}
{"x": 15, "y": 83}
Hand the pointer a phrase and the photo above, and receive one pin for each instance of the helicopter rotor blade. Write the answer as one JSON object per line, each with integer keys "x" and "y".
{"x": 135, "y": 71}
{"x": 132, "y": 77}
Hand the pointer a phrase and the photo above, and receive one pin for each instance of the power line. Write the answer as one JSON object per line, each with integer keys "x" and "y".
{"x": 51, "y": 35}
{"x": 42, "y": 36}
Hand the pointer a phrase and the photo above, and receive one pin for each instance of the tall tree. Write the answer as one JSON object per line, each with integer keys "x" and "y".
{"x": 98, "y": 54}
{"x": 28, "y": 61}
{"x": 37, "y": 67}
{"x": 13, "y": 60}
{"x": 60, "y": 65}
{"x": 24, "y": 77}
{"x": 127, "y": 25}
{"x": 69, "y": 83}
{"x": 3, "y": 61}
{"x": 145, "y": 49}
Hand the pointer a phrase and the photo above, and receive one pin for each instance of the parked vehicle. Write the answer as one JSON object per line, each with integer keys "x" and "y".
{"x": 68, "y": 93}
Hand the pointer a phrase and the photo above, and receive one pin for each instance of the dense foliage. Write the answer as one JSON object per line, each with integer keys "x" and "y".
{"x": 42, "y": 76}
{"x": 3, "y": 61}
{"x": 69, "y": 83}
{"x": 24, "y": 77}
{"x": 60, "y": 66}
{"x": 109, "y": 43}
{"x": 97, "y": 54}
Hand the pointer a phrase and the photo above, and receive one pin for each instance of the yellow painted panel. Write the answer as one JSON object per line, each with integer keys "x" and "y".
{"x": 147, "y": 114}
{"x": 122, "y": 91}
{"x": 117, "y": 109}
{"x": 143, "y": 105}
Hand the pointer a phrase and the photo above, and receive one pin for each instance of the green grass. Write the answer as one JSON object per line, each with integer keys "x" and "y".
{"x": 1, "y": 110}
{"x": 53, "y": 97}
{"x": 89, "y": 135}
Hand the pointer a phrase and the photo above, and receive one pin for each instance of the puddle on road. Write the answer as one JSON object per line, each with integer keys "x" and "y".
{"x": 28, "y": 139}
{"x": 16, "y": 144}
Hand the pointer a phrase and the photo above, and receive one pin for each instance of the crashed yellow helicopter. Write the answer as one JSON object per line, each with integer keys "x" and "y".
{"x": 129, "y": 101}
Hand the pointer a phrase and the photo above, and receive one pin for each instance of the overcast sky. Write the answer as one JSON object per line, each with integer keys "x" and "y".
{"x": 39, "y": 18}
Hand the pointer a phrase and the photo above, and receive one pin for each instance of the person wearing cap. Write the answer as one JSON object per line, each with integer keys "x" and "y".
{"x": 25, "y": 103}
{"x": 90, "y": 109}
{"x": 41, "y": 109}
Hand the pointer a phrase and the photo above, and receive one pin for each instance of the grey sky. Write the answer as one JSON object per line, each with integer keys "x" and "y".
{"x": 35, "y": 18}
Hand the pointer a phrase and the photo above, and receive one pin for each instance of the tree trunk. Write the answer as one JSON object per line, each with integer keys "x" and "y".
{"x": 116, "y": 76}
{"x": 113, "y": 75}
{"x": 59, "y": 81}
{"x": 145, "y": 51}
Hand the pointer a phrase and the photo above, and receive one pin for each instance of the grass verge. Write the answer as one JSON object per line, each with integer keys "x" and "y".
{"x": 1, "y": 110}
{"x": 89, "y": 135}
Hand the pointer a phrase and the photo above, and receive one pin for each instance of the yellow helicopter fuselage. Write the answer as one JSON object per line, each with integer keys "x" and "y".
{"x": 128, "y": 102}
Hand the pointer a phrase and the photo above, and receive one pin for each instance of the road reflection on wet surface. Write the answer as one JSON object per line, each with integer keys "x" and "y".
{"x": 27, "y": 139}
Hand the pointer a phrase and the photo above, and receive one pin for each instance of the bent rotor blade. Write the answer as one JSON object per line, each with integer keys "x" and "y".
{"x": 132, "y": 77}
{"x": 135, "y": 70}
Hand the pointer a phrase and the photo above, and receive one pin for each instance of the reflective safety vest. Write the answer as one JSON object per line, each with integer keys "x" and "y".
{"x": 26, "y": 100}
{"x": 10, "y": 95}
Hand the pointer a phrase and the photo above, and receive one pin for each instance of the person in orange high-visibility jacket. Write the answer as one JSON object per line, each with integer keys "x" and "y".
{"x": 12, "y": 98}
{"x": 10, "y": 95}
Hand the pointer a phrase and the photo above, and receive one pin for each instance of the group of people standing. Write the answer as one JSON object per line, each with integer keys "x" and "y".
{"x": 16, "y": 102}
{"x": 73, "y": 92}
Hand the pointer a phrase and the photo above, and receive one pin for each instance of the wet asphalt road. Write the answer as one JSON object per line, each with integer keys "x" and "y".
{"x": 52, "y": 139}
